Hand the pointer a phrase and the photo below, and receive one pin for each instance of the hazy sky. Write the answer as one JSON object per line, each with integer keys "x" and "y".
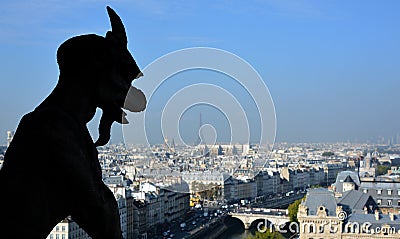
{"x": 332, "y": 67}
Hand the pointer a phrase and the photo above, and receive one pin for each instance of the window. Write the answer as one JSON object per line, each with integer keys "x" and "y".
{"x": 389, "y": 192}
{"x": 389, "y": 202}
{"x": 365, "y": 190}
{"x": 57, "y": 236}
{"x": 379, "y": 201}
{"x": 379, "y": 191}
{"x": 63, "y": 236}
{"x": 63, "y": 228}
{"x": 51, "y": 236}
{"x": 398, "y": 192}
{"x": 398, "y": 202}
{"x": 57, "y": 228}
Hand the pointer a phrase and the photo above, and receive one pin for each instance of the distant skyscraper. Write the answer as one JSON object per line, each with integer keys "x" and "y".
{"x": 10, "y": 136}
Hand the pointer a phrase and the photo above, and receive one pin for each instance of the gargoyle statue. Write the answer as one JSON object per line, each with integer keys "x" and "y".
{"x": 51, "y": 169}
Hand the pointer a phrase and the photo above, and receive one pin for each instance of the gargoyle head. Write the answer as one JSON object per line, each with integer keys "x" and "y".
{"x": 104, "y": 66}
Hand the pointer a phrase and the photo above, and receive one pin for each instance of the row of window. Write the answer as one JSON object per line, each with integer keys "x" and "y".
{"x": 389, "y": 202}
{"x": 379, "y": 191}
{"x": 62, "y": 228}
{"x": 57, "y": 236}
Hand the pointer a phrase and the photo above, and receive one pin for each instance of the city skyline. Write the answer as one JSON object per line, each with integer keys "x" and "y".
{"x": 332, "y": 68}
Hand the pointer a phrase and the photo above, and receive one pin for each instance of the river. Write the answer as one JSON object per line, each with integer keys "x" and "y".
{"x": 237, "y": 235}
{"x": 236, "y": 230}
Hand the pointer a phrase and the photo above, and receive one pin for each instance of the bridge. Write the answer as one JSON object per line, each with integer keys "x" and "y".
{"x": 275, "y": 216}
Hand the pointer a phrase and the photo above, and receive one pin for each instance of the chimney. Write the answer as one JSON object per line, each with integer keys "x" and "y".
{"x": 377, "y": 215}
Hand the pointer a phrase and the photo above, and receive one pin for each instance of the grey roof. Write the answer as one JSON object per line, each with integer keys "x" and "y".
{"x": 320, "y": 197}
{"x": 342, "y": 176}
{"x": 348, "y": 179}
{"x": 355, "y": 200}
{"x": 370, "y": 218}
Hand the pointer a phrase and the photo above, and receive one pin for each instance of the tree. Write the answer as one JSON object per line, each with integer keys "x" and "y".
{"x": 267, "y": 235}
{"x": 382, "y": 169}
{"x": 293, "y": 209}
{"x": 327, "y": 154}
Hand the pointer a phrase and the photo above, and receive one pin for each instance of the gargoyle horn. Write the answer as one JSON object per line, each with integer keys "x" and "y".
{"x": 117, "y": 27}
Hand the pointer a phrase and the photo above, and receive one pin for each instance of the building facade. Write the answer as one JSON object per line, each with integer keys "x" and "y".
{"x": 321, "y": 217}
{"x": 67, "y": 229}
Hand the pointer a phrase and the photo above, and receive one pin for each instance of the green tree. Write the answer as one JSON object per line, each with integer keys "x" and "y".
{"x": 327, "y": 154}
{"x": 267, "y": 235}
{"x": 382, "y": 169}
{"x": 293, "y": 209}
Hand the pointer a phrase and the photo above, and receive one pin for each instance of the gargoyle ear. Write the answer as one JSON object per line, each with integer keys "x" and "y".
{"x": 117, "y": 28}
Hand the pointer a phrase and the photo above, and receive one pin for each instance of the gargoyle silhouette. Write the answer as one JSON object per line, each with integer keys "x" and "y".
{"x": 51, "y": 169}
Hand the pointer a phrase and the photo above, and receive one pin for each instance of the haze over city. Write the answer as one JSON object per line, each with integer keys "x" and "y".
{"x": 332, "y": 67}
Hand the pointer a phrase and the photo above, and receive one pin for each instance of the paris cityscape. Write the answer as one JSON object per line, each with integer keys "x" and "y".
{"x": 271, "y": 119}
{"x": 172, "y": 191}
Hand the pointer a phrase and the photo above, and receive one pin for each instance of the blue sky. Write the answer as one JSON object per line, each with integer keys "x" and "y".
{"x": 332, "y": 67}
